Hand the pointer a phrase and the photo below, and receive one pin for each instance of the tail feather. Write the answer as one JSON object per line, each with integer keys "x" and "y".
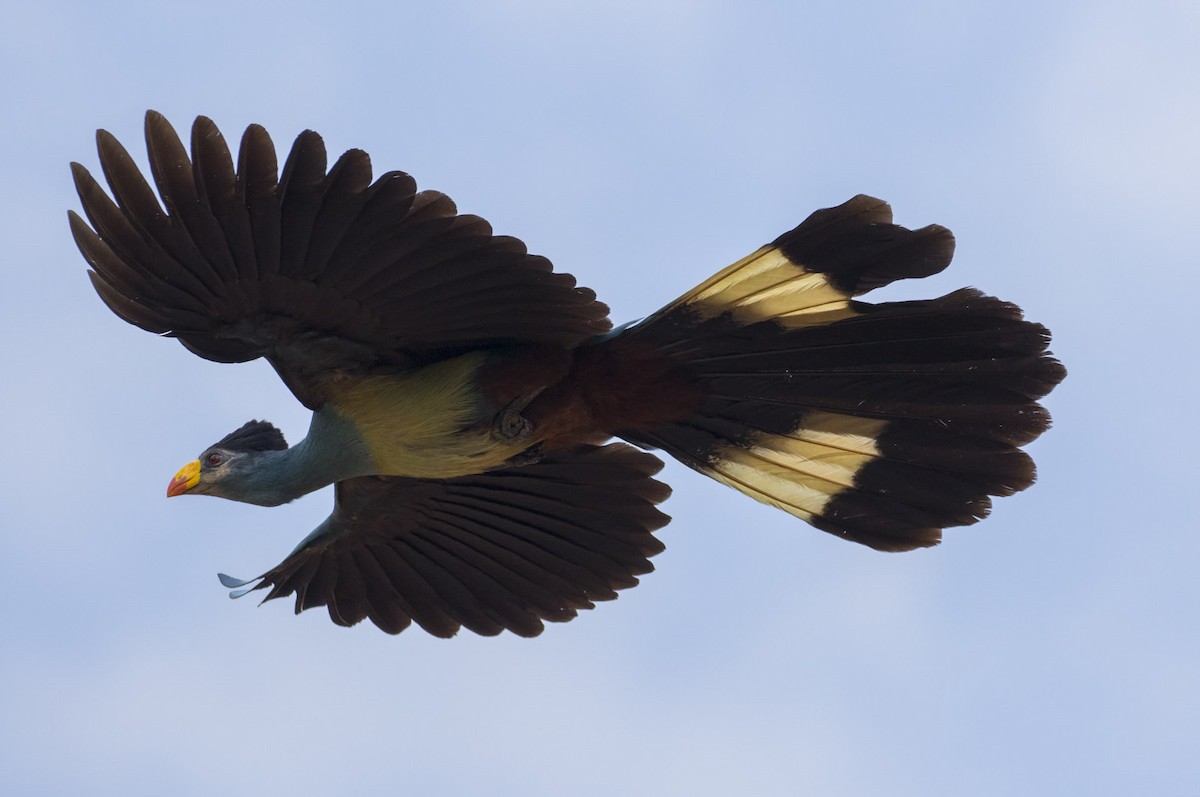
{"x": 806, "y": 275}
{"x": 882, "y": 423}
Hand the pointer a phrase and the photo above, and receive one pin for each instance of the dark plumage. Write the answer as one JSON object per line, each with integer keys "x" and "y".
{"x": 253, "y": 436}
{"x": 462, "y": 391}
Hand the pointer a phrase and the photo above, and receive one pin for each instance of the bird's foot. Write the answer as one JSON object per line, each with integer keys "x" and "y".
{"x": 510, "y": 426}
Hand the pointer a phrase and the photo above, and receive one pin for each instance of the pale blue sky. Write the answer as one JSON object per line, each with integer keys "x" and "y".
{"x": 1052, "y": 649}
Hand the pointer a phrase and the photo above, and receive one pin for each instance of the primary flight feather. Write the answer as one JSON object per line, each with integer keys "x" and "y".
{"x": 464, "y": 393}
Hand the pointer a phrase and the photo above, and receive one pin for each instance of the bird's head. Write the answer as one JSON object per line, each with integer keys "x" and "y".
{"x": 227, "y": 468}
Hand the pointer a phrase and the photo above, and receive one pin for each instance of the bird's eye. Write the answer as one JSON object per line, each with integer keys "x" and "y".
{"x": 213, "y": 459}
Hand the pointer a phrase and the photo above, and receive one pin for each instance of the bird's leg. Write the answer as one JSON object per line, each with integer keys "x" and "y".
{"x": 529, "y": 456}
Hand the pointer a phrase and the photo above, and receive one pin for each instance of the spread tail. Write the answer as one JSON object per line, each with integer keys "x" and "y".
{"x": 880, "y": 423}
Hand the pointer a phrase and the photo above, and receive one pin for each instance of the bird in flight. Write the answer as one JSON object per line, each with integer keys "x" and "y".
{"x": 464, "y": 394}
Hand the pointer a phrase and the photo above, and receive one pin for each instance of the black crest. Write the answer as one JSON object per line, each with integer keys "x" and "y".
{"x": 253, "y": 436}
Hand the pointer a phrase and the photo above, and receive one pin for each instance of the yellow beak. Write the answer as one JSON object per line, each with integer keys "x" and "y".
{"x": 187, "y": 478}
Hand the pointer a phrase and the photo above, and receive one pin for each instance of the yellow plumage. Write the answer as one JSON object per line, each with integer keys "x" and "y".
{"x": 428, "y": 423}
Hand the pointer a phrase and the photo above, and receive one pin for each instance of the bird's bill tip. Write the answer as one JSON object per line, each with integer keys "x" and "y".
{"x": 187, "y": 478}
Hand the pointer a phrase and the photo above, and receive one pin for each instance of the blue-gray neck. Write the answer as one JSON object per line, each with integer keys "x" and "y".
{"x": 332, "y": 451}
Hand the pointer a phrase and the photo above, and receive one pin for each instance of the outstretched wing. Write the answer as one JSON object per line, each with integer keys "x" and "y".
{"x": 320, "y": 272}
{"x": 505, "y": 549}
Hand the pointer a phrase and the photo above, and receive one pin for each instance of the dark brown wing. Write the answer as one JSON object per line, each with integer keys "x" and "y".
{"x": 506, "y": 549}
{"x": 317, "y": 271}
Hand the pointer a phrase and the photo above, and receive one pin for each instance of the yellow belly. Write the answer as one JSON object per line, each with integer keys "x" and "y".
{"x": 430, "y": 423}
